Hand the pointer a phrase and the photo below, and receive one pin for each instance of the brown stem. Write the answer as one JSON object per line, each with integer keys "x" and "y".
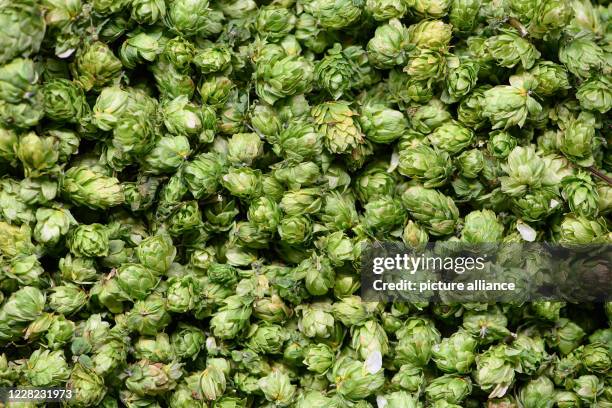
{"x": 520, "y": 27}
{"x": 599, "y": 174}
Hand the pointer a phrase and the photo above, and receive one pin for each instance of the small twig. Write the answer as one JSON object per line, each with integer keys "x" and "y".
{"x": 520, "y": 27}
{"x": 599, "y": 174}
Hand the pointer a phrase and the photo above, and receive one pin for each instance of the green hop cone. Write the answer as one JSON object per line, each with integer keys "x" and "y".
{"x": 212, "y": 383}
{"x": 470, "y": 163}
{"x": 580, "y": 230}
{"x": 303, "y": 201}
{"x": 373, "y": 182}
{"x": 153, "y": 378}
{"x": 431, "y": 166}
{"x": 64, "y": 101}
{"x": 383, "y": 214}
{"x": 482, "y": 227}
{"x": 139, "y": 48}
{"x": 577, "y": 142}
{"x": 187, "y": 17}
{"x": 450, "y": 388}
{"x": 334, "y": 14}
{"x": 426, "y": 118}
{"x": 38, "y": 155}
{"x": 356, "y": 380}
{"x": 88, "y": 188}
{"x": 389, "y": 47}
{"x": 316, "y": 320}
{"x": 216, "y": 90}
{"x": 22, "y": 306}
{"x": 23, "y": 29}
{"x": 595, "y": 94}
{"x": 243, "y": 182}
{"x": 170, "y": 80}
{"x": 156, "y": 252}
{"x": 89, "y": 240}
{"x": 311, "y": 34}
{"x": 202, "y": 174}
{"x": 212, "y": 59}
{"x": 88, "y": 386}
{"x": 451, "y": 137}
{"x": 147, "y": 11}
{"x": 507, "y": 106}
{"x": 265, "y": 120}
{"x": 111, "y": 103}
{"x": 67, "y": 299}
{"x": 460, "y": 80}
{"x": 222, "y": 274}
{"x": 414, "y": 236}
{"x": 500, "y": 144}
{"x": 463, "y": 15}
{"x": 187, "y": 341}
{"x": 156, "y": 349}
{"x": 455, "y": 354}
{"x": 470, "y": 111}
{"x": 582, "y": 57}
{"x": 95, "y": 66}
{"x": 409, "y": 377}
{"x": 581, "y": 194}
{"x": 427, "y": 65}
{"x": 264, "y": 213}
{"x": 18, "y": 81}
{"x": 8, "y": 145}
{"x": 277, "y": 388}
{"x": 274, "y": 23}
{"x": 525, "y": 171}
{"x": 266, "y": 339}
{"x": 437, "y": 213}
{"x": 567, "y": 399}
{"x": 383, "y": 10}
{"x": 45, "y": 368}
{"x": 136, "y": 281}
{"x": 231, "y": 317}
{"x": 299, "y": 141}
{"x": 280, "y": 75}
{"x": 536, "y": 205}
{"x": 552, "y": 78}
{"x": 370, "y": 338}
{"x": 398, "y": 399}
{"x": 182, "y": 294}
{"x": 319, "y": 358}
{"x": 382, "y": 125}
{"x": 596, "y": 358}
{"x": 21, "y": 102}
{"x": 244, "y": 148}
{"x": 178, "y": 51}
{"x": 149, "y": 316}
{"x": 486, "y": 325}
{"x": 550, "y": 17}
{"x": 509, "y": 49}
{"x": 183, "y": 118}
{"x": 416, "y": 340}
{"x": 430, "y": 34}
{"x": 538, "y": 392}
{"x": 588, "y": 388}
{"x": 51, "y": 225}
{"x": 335, "y": 121}
{"x": 335, "y": 72}
{"x": 494, "y": 371}
{"x": 429, "y": 8}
